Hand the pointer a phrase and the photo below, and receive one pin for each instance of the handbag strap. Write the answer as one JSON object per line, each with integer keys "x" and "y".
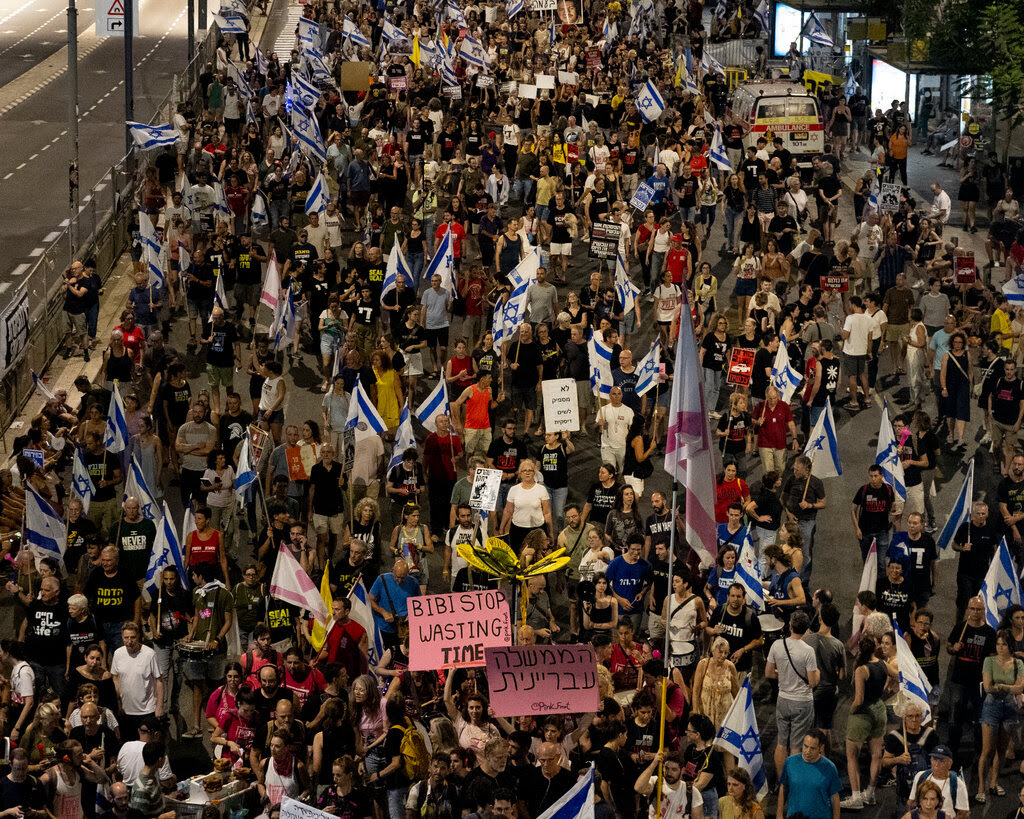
{"x": 791, "y": 663}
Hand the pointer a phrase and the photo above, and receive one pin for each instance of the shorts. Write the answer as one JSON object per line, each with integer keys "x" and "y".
{"x": 584, "y": 395}
{"x": 324, "y": 523}
{"x": 998, "y": 711}
{"x": 202, "y": 309}
{"x": 221, "y": 376}
{"x": 526, "y": 398}
{"x": 561, "y": 249}
{"x": 276, "y": 417}
{"x": 746, "y": 287}
{"x": 329, "y": 344}
{"x": 359, "y": 199}
{"x": 793, "y": 720}
{"x": 246, "y": 294}
{"x": 76, "y": 323}
{"x": 855, "y": 365}
{"x": 438, "y": 337}
{"x": 897, "y": 332}
{"x": 205, "y": 668}
{"x": 867, "y": 724}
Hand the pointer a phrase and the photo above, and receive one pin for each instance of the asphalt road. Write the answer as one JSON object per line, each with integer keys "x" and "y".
{"x": 34, "y": 145}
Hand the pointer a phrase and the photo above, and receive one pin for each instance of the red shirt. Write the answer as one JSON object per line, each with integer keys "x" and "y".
{"x": 304, "y": 689}
{"x": 675, "y": 261}
{"x": 343, "y": 647}
{"x": 726, "y": 493}
{"x": 809, "y": 369}
{"x": 458, "y": 234}
{"x": 625, "y": 668}
{"x": 240, "y": 732}
{"x": 772, "y": 432}
{"x": 133, "y": 340}
{"x": 204, "y": 551}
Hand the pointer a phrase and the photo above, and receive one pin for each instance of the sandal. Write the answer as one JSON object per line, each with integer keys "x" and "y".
{"x": 980, "y": 797}
{"x": 998, "y": 790}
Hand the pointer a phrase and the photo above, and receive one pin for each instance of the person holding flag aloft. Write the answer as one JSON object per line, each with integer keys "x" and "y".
{"x": 970, "y": 641}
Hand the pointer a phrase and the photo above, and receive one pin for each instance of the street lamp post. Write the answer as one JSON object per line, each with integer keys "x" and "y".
{"x": 73, "y": 120}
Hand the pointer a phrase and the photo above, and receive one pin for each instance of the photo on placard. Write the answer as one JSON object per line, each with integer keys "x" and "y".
{"x": 570, "y": 12}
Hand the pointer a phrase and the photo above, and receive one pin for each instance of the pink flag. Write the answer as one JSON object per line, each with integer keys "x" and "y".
{"x": 271, "y": 284}
{"x": 291, "y": 584}
{"x": 688, "y": 454}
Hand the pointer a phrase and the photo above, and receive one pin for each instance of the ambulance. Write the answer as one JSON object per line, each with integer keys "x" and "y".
{"x": 780, "y": 109}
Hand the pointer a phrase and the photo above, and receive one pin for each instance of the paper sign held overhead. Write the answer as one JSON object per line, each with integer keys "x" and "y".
{"x": 452, "y": 630}
{"x": 561, "y": 405}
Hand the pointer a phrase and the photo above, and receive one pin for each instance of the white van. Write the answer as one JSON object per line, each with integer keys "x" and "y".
{"x": 780, "y": 109}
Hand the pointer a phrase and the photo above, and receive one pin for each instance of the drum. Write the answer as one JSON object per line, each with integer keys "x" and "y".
{"x": 195, "y": 650}
{"x": 683, "y": 655}
{"x": 771, "y": 628}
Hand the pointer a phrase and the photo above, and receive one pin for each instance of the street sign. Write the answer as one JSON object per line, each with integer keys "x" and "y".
{"x": 110, "y": 18}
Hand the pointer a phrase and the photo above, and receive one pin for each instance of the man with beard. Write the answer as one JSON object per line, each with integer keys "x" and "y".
{"x": 673, "y": 790}
{"x": 1010, "y": 494}
{"x": 233, "y": 426}
{"x": 658, "y": 526}
{"x": 737, "y": 623}
{"x": 45, "y": 634}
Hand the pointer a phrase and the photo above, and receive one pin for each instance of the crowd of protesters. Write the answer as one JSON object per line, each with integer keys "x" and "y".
{"x": 102, "y": 674}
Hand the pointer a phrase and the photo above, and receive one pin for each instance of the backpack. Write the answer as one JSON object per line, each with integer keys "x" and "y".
{"x": 415, "y": 759}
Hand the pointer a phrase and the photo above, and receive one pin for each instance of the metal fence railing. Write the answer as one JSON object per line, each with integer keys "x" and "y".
{"x": 99, "y": 231}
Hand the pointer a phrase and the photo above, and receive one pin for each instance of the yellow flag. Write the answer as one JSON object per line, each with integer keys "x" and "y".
{"x": 415, "y": 51}
{"x": 319, "y": 634}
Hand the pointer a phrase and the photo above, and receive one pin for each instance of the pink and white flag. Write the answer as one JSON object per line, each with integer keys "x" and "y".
{"x": 291, "y": 584}
{"x": 271, "y": 294}
{"x": 868, "y": 582}
{"x": 688, "y": 452}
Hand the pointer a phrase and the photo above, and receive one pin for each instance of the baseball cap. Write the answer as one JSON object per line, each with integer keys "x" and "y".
{"x": 677, "y": 237}
{"x": 941, "y": 752}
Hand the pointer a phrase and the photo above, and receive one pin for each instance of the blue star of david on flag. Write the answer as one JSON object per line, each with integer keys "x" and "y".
{"x": 1001, "y": 587}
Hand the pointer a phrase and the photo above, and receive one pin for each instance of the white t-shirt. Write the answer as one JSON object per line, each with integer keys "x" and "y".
{"x": 137, "y": 681}
{"x": 595, "y": 562}
{"x": 600, "y": 154}
{"x": 23, "y": 682}
{"x": 792, "y": 674}
{"x": 220, "y": 498}
{"x": 962, "y": 800}
{"x": 129, "y": 761}
{"x": 529, "y": 512}
{"x": 673, "y": 804}
{"x": 879, "y": 318}
{"x": 858, "y": 325}
{"x": 617, "y": 421}
{"x": 668, "y": 301}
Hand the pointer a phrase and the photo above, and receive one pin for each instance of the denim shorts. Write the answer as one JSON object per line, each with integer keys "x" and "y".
{"x": 998, "y": 711}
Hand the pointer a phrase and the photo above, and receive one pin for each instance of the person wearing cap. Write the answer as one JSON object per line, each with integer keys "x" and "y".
{"x": 955, "y": 801}
{"x": 678, "y": 261}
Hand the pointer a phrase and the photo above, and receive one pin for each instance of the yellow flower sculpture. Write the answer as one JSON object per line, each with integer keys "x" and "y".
{"x": 498, "y": 559}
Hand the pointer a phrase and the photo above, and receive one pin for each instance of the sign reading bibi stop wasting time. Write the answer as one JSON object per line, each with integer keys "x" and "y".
{"x": 452, "y": 630}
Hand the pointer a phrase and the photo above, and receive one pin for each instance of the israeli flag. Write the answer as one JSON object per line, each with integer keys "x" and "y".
{"x": 784, "y": 376}
{"x": 316, "y": 199}
{"x": 135, "y": 487}
{"x": 761, "y": 15}
{"x": 246, "y": 476}
{"x": 220, "y": 298}
{"x": 307, "y": 135}
{"x": 823, "y": 446}
{"x": 81, "y": 482}
{"x": 315, "y": 65}
{"x": 887, "y": 456}
{"x": 498, "y": 325}
{"x": 220, "y": 200}
{"x": 166, "y": 552}
{"x": 354, "y": 34}
{"x": 262, "y": 61}
{"x": 309, "y": 33}
{"x": 397, "y": 266}
{"x": 642, "y": 197}
{"x": 362, "y": 414}
{"x": 260, "y": 217}
{"x": 153, "y": 136}
{"x": 115, "y": 438}
{"x": 240, "y": 82}
{"x": 748, "y": 574}
{"x": 721, "y": 10}
{"x": 649, "y": 102}
{"x": 710, "y": 64}
{"x": 1001, "y": 587}
{"x": 45, "y": 531}
{"x": 525, "y": 273}
{"x": 513, "y": 7}
{"x": 433, "y": 405}
{"x": 958, "y": 515}
{"x": 392, "y": 32}
{"x": 649, "y": 369}
{"x": 739, "y": 736}
{"x": 363, "y": 614}
{"x": 472, "y": 51}
{"x": 282, "y": 328}
{"x": 513, "y": 313}
{"x": 231, "y": 24}
{"x": 147, "y": 234}
{"x": 624, "y": 287}
{"x": 600, "y": 366}
{"x": 577, "y": 802}
{"x": 718, "y": 153}
{"x": 913, "y": 683}
{"x": 41, "y": 387}
{"x": 455, "y": 13}
{"x": 815, "y": 32}
{"x": 303, "y": 91}
{"x": 1014, "y": 288}
{"x": 184, "y": 262}
{"x": 443, "y": 264}
{"x": 404, "y": 438}
{"x": 551, "y": 32}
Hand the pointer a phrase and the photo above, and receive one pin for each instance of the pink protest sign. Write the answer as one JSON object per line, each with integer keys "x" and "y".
{"x": 542, "y": 680}
{"x": 452, "y": 630}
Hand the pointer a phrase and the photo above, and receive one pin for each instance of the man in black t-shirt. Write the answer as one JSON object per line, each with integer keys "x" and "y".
{"x": 44, "y": 632}
{"x": 1006, "y": 405}
{"x": 527, "y": 371}
{"x": 114, "y": 597}
{"x": 506, "y": 453}
{"x": 1010, "y": 495}
{"x": 871, "y": 507}
{"x": 764, "y": 360}
{"x": 233, "y": 426}
{"x": 970, "y": 641}
{"x": 223, "y": 355}
{"x": 738, "y": 624}
{"x": 105, "y": 471}
{"x": 976, "y": 542}
{"x": 247, "y": 258}
{"x": 325, "y": 493}
{"x": 396, "y": 303}
{"x": 657, "y": 526}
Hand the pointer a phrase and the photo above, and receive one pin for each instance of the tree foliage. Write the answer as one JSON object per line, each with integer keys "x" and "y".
{"x": 1003, "y": 27}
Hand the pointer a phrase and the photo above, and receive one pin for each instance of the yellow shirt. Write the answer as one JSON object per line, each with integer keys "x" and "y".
{"x": 1001, "y": 324}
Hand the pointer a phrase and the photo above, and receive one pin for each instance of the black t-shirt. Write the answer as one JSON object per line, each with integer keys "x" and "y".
{"x": 1006, "y": 397}
{"x": 602, "y": 501}
{"x": 393, "y": 748}
{"x": 367, "y": 312}
{"x": 736, "y": 426}
{"x": 557, "y": 218}
{"x": 29, "y": 794}
{"x": 232, "y": 431}
{"x": 112, "y": 598}
{"x": 507, "y": 457}
{"x": 46, "y": 635}
{"x": 614, "y": 771}
{"x": 715, "y": 353}
{"x": 405, "y": 300}
{"x": 326, "y": 492}
{"x": 101, "y": 468}
{"x": 79, "y": 532}
{"x": 984, "y": 540}
{"x": 895, "y": 598}
{"x": 249, "y": 269}
{"x": 829, "y": 382}
{"x": 978, "y": 643}
{"x": 922, "y": 554}
{"x": 1011, "y": 493}
{"x": 658, "y": 528}
{"x": 554, "y": 466}
{"x": 281, "y": 619}
{"x": 528, "y": 358}
{"x": 739, "y": 630}
{"x": 81, "y": 636}
{"x": 221, "y": 352}
{"x": 759, "y": 378}
{"x": 875, "y": 505}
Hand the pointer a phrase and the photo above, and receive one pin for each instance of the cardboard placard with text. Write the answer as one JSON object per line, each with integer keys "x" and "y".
{"x": 561, "y": 405}
{"x": 542, "y": 680}
{"x": 741, "y": 367}
{"x": 452, "y": 630}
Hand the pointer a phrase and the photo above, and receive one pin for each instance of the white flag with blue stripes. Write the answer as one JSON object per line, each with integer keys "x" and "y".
{"x": 260, "y": 217}
{"x": 314, "y": 63}
{"x": 241, "y": 83}
{"x": 166, "y": 552}
{"x": 761, "y": 15}
{"x": 307, "y": 135}
{"x": 135, "y": 487}
{"x": 310, "y": 35}
{"x": 913, "y": 683}
{"x": 577, "y": 802}
{"x": 472, "y": 52}
{"x": 246, "y": 476}
{"x": 513, "y": 7}
{"x": 81, "y": 482}
{"x": 887, "y": 456}
{"x": 710, "y": 64}
{"x": 785, "y": 377}
{"x": 434, "y": 404}
{"x": 958, "y": 515}
{"x": 303, "y": 91}
{"x": 649, "y": 102}
{"x": 282, "y": 328}
{"x": 45, "y": 531}
{"x": 748, "y": 573}
{"x": 600, "y": 366}
{"x": 397, "y": 266}
{"x": 718, "y": 153}
{"x": 823, "y": 445}
{"x": 220, "y": 297}
{"x": 231, "y": 23}
{"x": 648, "y": 370}
{"x": 455, "y": 13}
{"x": 1001, "y": 587}
{"x": 153, "y": 136}
{"x": 624, "y": 287}
{"x": 220, "y": 200}
{"x": 316, "y": 199}
{"x": 363, "y": 614}
{"x": 405, "y": 438}
{"x": 355, "y": 35}
{"x": 443, "y": 264}
{"x": 362, "y": 414}
{"x": 739, "y": 736}
{"x": 1014, "y": 287}
{"x": 115, "y": 437}
{"x": 815, "y": 32}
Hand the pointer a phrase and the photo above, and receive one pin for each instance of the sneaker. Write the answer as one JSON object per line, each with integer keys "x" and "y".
{"x": 986, "y": 440}
{"x": 85, "y": 353}
{"x": 853, "y": 802}
{"x": 869, "y": 797}
{"x": 890, "y": 782}
{"x": 930, "y": 528}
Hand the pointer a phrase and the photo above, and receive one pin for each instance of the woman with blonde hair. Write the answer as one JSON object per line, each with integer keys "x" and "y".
{"x": 715, "y": 682}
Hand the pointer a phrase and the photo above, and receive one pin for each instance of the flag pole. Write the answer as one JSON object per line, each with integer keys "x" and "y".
{"x": 668, "y": 644}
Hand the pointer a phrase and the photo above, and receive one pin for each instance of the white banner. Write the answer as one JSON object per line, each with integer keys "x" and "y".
{"x": 14, "y": 330}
